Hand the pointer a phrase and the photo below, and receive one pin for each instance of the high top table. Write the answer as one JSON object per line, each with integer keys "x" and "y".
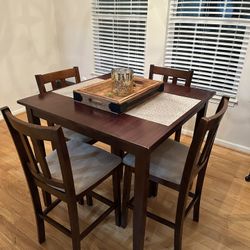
{"x": 123, "y": 132}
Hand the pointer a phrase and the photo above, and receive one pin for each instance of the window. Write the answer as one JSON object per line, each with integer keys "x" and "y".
{"x": 210, "y": 37}
{"x": 119, "y": 28}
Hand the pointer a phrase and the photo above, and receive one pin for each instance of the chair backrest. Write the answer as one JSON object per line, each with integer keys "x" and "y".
{"x": 29, "y": 141}
{"x": 175, "y": 74}
{"x": 57, "y": 79}
{"x": 201, "y": 146}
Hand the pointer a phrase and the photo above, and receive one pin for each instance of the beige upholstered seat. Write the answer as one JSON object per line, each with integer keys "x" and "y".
{"x": 164, "y": 164}
{"x": 89, "y": 164}
{"x": 70, "y": 134}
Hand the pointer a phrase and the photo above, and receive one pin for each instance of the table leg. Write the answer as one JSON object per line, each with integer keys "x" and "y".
{"x": 119, "y": 152}
{"x": 35, "y": 120}
{"x": 140, "y": 198}
{"x": 199, "y": 115}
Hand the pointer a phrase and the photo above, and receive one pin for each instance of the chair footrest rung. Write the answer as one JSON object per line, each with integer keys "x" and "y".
{"x": 160, "y": 219}
{"x": 153, "y": 216}
{"x": 191, "y": 204}
{"x": 102, "y": 198}
{"x": 96, "y": 222}
{"x": 56, "y": 224}
{"x": 51, "y": 206}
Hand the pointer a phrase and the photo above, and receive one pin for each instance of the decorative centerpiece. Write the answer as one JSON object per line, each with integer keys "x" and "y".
{"x": 120, "y": 93}
{"x": 122, "y": 81}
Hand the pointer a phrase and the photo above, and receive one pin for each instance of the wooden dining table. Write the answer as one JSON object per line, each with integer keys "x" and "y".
{"x": 123, "y": 132}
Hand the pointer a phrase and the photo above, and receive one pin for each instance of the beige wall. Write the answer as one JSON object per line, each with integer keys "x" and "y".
{"x": 73, "y": 21}
{"x": 44, "y": 35}
{"x": 28, "y": 45}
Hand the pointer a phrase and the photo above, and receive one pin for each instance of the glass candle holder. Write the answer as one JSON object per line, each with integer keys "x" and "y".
{"x": 122, "y": 81}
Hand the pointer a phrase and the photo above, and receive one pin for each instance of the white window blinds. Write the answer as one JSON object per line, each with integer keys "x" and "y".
{"x": 210, "y": 37}
{"x": 119, "y": 28}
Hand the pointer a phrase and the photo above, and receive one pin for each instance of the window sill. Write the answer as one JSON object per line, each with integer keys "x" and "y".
{"x": 216, "y": 99}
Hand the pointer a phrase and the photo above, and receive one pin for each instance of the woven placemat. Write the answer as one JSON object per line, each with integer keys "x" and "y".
{"x": 164, "y": 108}
{"x": 68, "y": 91}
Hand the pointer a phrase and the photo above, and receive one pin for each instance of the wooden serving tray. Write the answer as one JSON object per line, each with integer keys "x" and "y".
{"x": 100, "y": 95}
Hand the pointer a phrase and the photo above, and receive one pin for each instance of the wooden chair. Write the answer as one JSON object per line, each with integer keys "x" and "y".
{"x": 176, "y": 75}
{"x": 58, "y": 80}
{"x": 176, "y": 166}
{"x": 72, "y": 170}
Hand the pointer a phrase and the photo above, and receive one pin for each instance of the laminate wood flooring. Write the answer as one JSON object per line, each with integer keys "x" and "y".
{"x": 224, "y": 216}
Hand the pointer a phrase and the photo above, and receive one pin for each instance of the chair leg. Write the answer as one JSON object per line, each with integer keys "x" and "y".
{"x": 46, "y": 198}
{"x": 74, "y": 224}
{"x": 121, "y": 173}
{"x": 177, "y": 136}
{"x": 117, "y": 195}
{"x": 178, "y": 236}
{"x": 198, "y": 191}
{"x": 126, "y": 195}
{"x": 89, "y": 200}
{"x": 40, "y": 229}
{"x": 38, "y": 211}
{"x": 152, "y": 189}
{"x": 196, "y": 210}
{"x": 81, "y": 201}
{"x": 247, "y": 178}
{"x": 179, "y": 220}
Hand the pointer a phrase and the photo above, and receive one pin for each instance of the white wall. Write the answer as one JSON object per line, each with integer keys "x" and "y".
{"x": 39, "y": 37}
{"x": 74, "y": 24}
{"x": 156, "y": 32}
{"x": 28, "y": 45}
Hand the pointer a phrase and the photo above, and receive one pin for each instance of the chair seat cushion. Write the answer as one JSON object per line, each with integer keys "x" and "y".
{"x": 70, "y": 134}
{"x": 167, "y": 161}
{"x": 89, "y": 164}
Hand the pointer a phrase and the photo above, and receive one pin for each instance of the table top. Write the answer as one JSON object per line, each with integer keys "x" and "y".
{"x": 129, "y": 131}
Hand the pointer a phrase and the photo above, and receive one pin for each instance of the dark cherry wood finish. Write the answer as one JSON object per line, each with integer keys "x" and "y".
{"x": 123, "y": 132}
{"x": 31, "y": 154}
{"x": 195, "y": 166}
{"x": 247, "y": 178}
{"x": 175, "y": 74}
{"x": 57, "y": 79}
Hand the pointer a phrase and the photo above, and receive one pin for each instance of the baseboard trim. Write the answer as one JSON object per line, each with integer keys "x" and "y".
{"x": 224, "y": 143}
